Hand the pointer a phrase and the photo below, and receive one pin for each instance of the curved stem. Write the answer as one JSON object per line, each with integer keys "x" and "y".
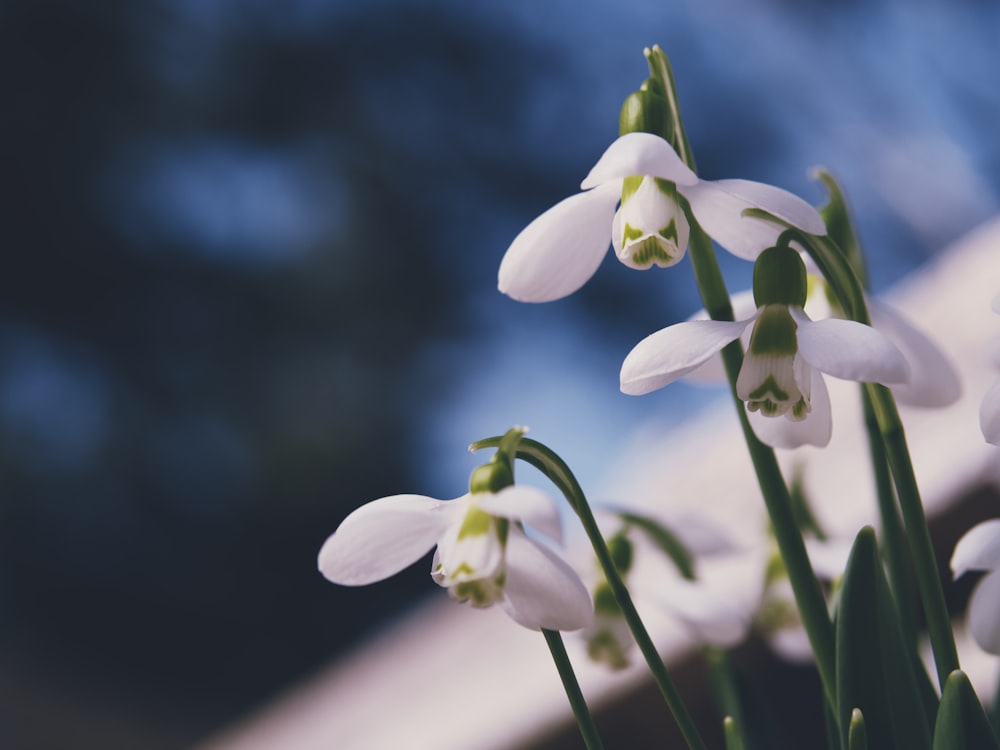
{"x": 580, "y": 710}
{"x": 553, "y": 467}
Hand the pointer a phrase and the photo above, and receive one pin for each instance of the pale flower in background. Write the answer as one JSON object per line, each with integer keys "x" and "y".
{"x": 483, "y": 555}
{"x": 989, "y": 410}
{"x": 683, "y": 571}
{"x": 559, "y": 251}
{"x": 979, "y": 549}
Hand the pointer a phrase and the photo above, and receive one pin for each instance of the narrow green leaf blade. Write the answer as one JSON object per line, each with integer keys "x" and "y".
{"x": 961, "y": 721}
{"x": 874, "y": 668}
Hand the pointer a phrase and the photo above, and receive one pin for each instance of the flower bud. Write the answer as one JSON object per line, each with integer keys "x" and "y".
{"x": 779, "y": 278}
{"x": 646, "y": 111}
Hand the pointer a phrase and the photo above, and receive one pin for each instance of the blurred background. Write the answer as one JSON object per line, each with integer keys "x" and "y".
{"x": 250, "y": 284}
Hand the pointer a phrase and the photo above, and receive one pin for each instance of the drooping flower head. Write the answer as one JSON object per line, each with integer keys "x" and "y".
{"x": 483, "y": 555}
{"x": 560, "y": 250}
{"x": 780, "y": 381}
{"x": 979, "y": 549}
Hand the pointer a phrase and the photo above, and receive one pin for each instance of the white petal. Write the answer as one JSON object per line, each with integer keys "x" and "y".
{"x": 527, "y": 504}
{"x": 718, "y": 206}
{"x": 978, "y": 549}
{"x": 815, "y": 429}
{"x": 933, "y": 380}
{"x": 468, "y": 558}
{"x": 383, "y": 537}
{"x": 791, "y": 643}
{"x": 996, "y": 304}
{"x": 542, "y": 590}
{"x": 829, "y": 557}
{"x": 984, "y": 613}
{"x": 713, "y": 371}
{"x": 711, "y": 616}
{"x": 989, "y": 414}
{"x": 850, "y": 350}
{"x": 637, "y": 154}
{"x": 559, "y": 251}
{"x": 673, "y": 352}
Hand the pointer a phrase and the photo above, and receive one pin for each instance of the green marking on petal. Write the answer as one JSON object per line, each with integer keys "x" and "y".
{"x": 477, "y": 522}
{"x": 632, "y": 233}
{"x": 651, "y": 250}
{"x": 774, "y": 333}
{"x": 463, "y": 569}
{"x": 769, "y": 386}
{"x": 801, "y": 409}
{"x": 669, "y": 232}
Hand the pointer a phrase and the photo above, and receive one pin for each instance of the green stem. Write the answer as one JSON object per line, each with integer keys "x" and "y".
{"x": 893, "y": 535}
{"x": 583, "y": 718}
{"x": 805, "y": 586}
{"x": 917, "y": 532}
{"x": 553, "y": 467}
{"x": 850, "y": 294}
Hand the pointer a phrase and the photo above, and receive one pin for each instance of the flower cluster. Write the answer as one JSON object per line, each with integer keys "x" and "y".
{"x": 808, "y": 316}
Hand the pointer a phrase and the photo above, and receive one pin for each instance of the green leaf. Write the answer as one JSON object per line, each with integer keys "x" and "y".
{"x": 666, "y": 541}
{"x": 961, "y": 721}
{"x": 733, "y": 739}
{"x": 857, "y": 738}
{"x": 874, "y": 667}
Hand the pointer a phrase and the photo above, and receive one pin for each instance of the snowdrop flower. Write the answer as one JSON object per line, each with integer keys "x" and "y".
{"x": 933, "y": 381}
{"x": 989, "y": 410}
{"x": 483, "y": 555}
{"x": 780, "y": 381}
{"x": 560, "y": 250}
{"x": 979, "y": 549}
{"x": 670, "y": 584}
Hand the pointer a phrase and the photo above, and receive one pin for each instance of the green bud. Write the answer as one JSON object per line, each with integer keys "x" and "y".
{"x": 491, "y": 477}
{"x": 779, "y": 278}
{"x": 620, "y": 549}
{"x": 646, "y": 111}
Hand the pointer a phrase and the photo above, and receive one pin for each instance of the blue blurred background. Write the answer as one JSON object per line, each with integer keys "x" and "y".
{"x": 249, "y": 284}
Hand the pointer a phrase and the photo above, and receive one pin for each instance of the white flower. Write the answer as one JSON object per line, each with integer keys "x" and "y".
{"x": 561, "y": 249}
{"x": 779, "y": 620}
{"x": 781, "y": 374}
{"x": 989, "y": 410}
{"x": 684, "y": 573}
{"x": 933, "y": 381}
{"x": 979, "y": 549}
{"x": 483, "y": 555}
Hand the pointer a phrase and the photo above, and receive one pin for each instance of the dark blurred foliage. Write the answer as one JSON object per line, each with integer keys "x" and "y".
{"x": 202, "y": 376}
{"x": 232, "y": 233}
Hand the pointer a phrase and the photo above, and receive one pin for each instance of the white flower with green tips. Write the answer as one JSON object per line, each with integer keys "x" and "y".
{"x": 483, "y": 555}
{"x": 781, "y": 379}
{"x": 979, "y": 549}
{"x": 560, "y": 250}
